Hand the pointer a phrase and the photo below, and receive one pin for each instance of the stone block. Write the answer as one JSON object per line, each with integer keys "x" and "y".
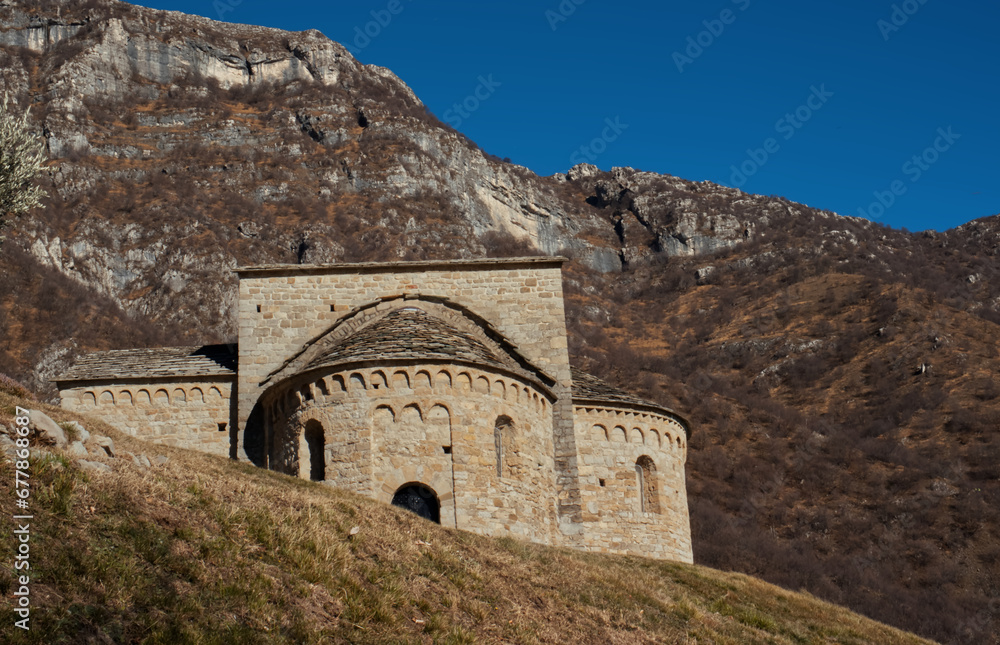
{"x": 45, "y": 430}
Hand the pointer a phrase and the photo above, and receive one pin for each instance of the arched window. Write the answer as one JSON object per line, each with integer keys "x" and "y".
{"x": 420, "y": 499}
{"x": 316, "y": 443}
{"x": 645, "y": 473}
{"x": 503, "y": 431}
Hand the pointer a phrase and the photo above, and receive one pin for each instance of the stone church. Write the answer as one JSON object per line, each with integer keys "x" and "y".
{"x": 442, "y": 387}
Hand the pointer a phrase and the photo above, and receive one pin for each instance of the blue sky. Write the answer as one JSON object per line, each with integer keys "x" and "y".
{"x": 878, "y": 109}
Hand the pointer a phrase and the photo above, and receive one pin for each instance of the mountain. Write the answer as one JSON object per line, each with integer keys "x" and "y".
{"x": 842, "y": 377}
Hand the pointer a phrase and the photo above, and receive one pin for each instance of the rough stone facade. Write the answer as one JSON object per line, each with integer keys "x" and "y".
{"x": 177, "y": 396}
{"x": 444, "y": 387}
{"x": 622, "y": 507}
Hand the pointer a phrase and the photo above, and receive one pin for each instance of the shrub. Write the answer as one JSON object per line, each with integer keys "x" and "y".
{"x": 501, "y": 244}
{"x": 12, "y": 387}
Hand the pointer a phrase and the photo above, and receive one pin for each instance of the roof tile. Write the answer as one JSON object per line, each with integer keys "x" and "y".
{"x": 157, "y": 362}
{"x": 408, "y": 333}
{"x": 589, "y": 388}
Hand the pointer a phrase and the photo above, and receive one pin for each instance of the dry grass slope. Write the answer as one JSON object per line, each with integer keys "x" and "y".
{"x": 204, "y": 550}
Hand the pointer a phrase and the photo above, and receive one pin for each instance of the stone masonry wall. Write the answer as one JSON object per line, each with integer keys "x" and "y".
{"x": 283, "y": 308}
{"x": 191, "y": 413}
{"x": 598, "y": 475}
{"x": 432, "y": 424}
{"x": 611, "y": 442}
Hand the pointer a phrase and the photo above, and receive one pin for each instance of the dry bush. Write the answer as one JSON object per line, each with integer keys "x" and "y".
{"x": 501, "y": 244}
{"x": 12, "y": 387}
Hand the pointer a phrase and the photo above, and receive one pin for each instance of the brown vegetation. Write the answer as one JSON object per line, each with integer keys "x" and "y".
{"x": 846, "y": 422}
{"x": 202, "y": 549}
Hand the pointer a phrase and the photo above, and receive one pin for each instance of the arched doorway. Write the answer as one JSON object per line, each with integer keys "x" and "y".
{"x": 255, "y": 440}
{"x": 420, "y": 499}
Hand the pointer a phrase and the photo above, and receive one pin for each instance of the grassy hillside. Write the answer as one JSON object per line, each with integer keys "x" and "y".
{"x": 204, "y": 550}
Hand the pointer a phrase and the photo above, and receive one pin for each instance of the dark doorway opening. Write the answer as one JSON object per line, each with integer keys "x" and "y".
{"x": 317, "y": 458}
{"x": 255, "y": 441}
{"x": 419, "y": 499}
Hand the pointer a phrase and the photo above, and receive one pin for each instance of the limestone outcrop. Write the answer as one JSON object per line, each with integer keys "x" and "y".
{"x": 182, "y": 147}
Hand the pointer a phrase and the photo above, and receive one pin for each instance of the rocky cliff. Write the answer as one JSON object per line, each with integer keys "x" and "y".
{"x": 129, "y": 98}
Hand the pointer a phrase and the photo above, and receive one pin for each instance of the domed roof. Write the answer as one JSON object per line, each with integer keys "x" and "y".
{"x": 408, "y": 334}
{"x": 588, "y": 389}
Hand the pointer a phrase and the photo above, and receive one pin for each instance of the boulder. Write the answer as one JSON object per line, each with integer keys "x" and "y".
{"x": 582, "y": 171}
{"x": 84, "y": 436}
{"x": 105, "y": 443}
{"x": 944, "y": 488}
{"x": 142, "y": 461}
{"x": 77, "y": 449}
{"x": 94, "y": 466}
{"x": 160, "y": 460}
{"x": 45, "y": 429}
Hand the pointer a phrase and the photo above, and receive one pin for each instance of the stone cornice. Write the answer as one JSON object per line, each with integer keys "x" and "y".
{"x": 277, "y": 270}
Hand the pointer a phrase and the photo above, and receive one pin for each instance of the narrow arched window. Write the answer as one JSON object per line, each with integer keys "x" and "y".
{"x": 640, "y": 478}
{"x": 502, "y": 438}
{"x": 645, "y": 474}
{"x": 316, "y": 443}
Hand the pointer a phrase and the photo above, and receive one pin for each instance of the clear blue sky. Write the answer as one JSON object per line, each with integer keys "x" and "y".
{"x": 865, "y": 97}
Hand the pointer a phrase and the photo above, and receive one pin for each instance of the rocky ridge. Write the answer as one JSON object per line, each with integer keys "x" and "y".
{"x": 178, "y": 84}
